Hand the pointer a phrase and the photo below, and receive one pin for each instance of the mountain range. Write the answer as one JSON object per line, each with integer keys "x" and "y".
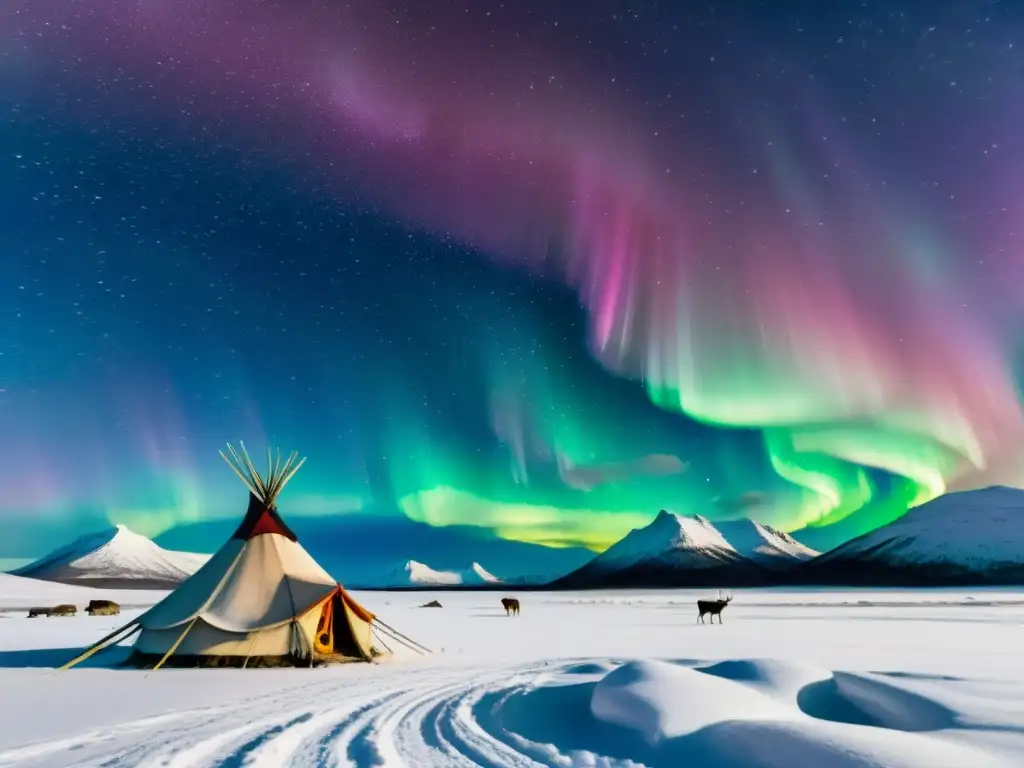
{"x": 680, "y": 551}
{"x": 968, "y": 537}
{"x": 360, "y": 548}
{"x": 964, "y": 538}
{"x": 414, "y": 574}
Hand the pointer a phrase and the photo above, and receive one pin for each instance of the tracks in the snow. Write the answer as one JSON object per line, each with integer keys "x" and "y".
{"x": 425, "y": 717}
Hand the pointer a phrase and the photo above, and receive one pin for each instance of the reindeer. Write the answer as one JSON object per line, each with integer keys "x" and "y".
{"x": 714, "y": 607}
{"x": 63, "y": 610}
{"x": 511, "y": 606}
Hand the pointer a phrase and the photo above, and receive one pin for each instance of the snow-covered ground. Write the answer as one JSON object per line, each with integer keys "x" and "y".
{"x": 18, "y": 592}
{"x": 801, "y": 679}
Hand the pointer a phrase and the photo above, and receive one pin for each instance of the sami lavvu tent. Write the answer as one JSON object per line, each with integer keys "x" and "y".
{"x": 261, "y": 600}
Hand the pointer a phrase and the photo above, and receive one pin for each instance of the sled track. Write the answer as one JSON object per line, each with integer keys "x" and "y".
{"x": 436, "y": 717}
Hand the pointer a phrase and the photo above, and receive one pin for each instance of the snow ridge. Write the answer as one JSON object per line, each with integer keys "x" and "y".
{"x": 117, "y": 556}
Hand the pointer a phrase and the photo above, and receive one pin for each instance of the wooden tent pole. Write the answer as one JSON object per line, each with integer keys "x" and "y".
{"x": 251, "y": 646}
{"x": 393, "y": 636}
{"x": 98, "y": 646}
{"x": 399, "y": 634}
{"x": 174, "y": 647}
{"x": 381, "y": 640}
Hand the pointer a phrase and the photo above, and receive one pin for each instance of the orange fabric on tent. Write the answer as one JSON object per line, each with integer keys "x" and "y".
{"x": 355, "y": 607}
{"x": 324, "y": 640}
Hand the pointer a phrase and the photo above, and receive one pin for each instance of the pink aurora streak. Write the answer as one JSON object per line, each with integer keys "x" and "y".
{"x": 739, "y": 308}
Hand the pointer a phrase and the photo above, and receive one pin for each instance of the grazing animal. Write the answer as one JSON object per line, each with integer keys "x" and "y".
{"x": 511, "y": 606}
{"x": 103, "y": 608}
{"x": 714, "y": 607}
{"x": 34, "y": 612}
{"x": 64, "y": 610}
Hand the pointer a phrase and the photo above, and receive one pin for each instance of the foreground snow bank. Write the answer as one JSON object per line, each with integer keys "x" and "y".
{"x": 733, "y": 714}
{"x": 699, "y": 716}
{"x": 624, "y": 680}
{"x": 664, "y": 700}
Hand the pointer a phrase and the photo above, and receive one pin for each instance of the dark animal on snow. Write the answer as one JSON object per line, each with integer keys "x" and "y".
{"x": 64, "y": 610}
{"x": 431, "y": 604}
{"x": 511, "y": 606}
{"x": 34, "y": 612}
{"x": 103, "y": 608}
{"x": 714, "y": 607}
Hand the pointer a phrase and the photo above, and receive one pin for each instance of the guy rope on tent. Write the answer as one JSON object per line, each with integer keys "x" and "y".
{"x": 260, "y": 598}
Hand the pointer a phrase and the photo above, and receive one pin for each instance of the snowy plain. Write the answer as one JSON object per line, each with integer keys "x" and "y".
{"x": 791, "y": 679}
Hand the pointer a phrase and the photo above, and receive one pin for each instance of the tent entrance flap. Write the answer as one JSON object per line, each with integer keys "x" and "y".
{"x": 324, "y": 640}
{"x": 334, "y": 632}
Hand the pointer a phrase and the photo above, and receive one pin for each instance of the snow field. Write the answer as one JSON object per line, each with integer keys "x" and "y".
{"x": 797, "y": 679}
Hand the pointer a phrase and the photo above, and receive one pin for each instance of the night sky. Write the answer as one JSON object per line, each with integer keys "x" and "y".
{"x": 541, "y": 267}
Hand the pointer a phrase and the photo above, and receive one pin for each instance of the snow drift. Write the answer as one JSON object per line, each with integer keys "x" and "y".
{"x": 117, "y": 558}
{"x": 969, "y": 537}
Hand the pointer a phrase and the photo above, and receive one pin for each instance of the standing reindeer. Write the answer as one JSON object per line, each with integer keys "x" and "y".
{"x": 714, "y": 607}
{"x": 511, "y": 606}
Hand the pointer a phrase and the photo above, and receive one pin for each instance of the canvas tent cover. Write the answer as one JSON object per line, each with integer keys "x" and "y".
{"x": 261, "y": 597}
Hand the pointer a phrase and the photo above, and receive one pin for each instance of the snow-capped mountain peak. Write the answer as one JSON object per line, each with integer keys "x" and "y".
{"x": 669, "y": 536}
{"x": 477, "y": 574}
{"x": 416, "y": 574}
{"x": 764, "y": 544}
{"x": 116, "y": 556}
{"x": 978, "y": 533}
{"x": 672, "y": 550}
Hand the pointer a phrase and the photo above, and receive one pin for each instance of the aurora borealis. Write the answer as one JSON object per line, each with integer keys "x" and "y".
{"x": 542, "y": 268}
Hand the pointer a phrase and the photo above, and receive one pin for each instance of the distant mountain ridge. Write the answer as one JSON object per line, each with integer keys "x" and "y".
{"x": 765, "y": 545}
{"x": 360, "y": 548}
{"x": 672, "y": 551}
{"x": 117, "y": 558}
{"x": 967, "y": 537}
{"x": 414, "y": 574}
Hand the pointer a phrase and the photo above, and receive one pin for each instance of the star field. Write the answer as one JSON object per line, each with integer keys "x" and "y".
{"x": 539, "y": 268}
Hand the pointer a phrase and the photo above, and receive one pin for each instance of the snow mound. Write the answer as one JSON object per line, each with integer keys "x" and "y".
{"x": 738, "y": 713}
{"x": 765, "y": 545}
{"x": 970, "y": 532}
{"x": 663, "y": 700}
{"x": 117, "y": 558}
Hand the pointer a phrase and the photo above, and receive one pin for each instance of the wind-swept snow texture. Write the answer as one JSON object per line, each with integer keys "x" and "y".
{"x": 115, "y": 559}
{"x": 960, "y": 538}
{"x": 869, "y": 680}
